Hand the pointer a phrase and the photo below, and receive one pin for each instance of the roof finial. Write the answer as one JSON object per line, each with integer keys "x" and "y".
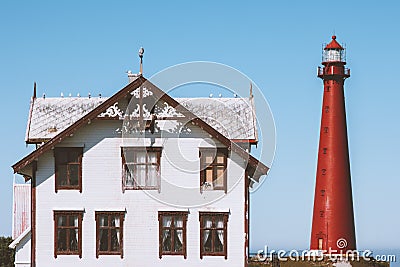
{"x": 141, "y": 52}
{"x": 34, "y": 90}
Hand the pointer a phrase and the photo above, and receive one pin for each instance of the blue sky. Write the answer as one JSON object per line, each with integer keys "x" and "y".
{"x": 86, "y": 46}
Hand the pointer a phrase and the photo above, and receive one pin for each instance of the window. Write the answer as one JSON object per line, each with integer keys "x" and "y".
{"x": 68, "y": 233}
{"x": 109, "y": 233}
{"x": 141, "y": 167}
{"x": 172, "y": 233}
{"x": 320, "y": 242}
{"x": 68, "y": 168}
{"x": 213, "y": 162}
{"x": 213, "y": 234}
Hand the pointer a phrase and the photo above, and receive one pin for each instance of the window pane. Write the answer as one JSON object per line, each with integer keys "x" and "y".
{"x": 220, "y": 158}
{"x": 103, "y": 239}
{"x": 167, "y": 221}
{"x": 141, "y": 175}
{"x": 178, "y": 221}
{"x": 115, "y": 238}
{"x": 62, "y": 174}
{"x": 220, "y": 177}
{"x": 152, "y": 157}
{"x": 103, "y": 220}
{"x": 209, "y": 175}
{"x": 152, "y": 175}
{"x": 129, "y": 174}
{"x": 207, "y": 243}
{"x": 166, "y": 240}
{"x": 178, "y": 240}
{"x": 219, "y": 240}
{"x": 207, "y": 222}
{"x": 61, "y": 157}
{"x": 73, "y": 155}
{"x": 73, "y": 239}
{"x": 61, "y": 239}
{"x": 209, "y": 158}
{"x": 73, "y": 174}
{"x": 140, "y": 157}
{"x": 73, "y": 221}
{"x": 62, "y": 221}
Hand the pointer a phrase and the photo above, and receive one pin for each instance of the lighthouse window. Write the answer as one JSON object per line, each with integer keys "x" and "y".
{"x": 326, "y": 109}
{"x": 322, "y": 192}
{"x": 326, "y": 129}
{"x": 324, "y": 150}
{"x": 323, "y": 171}
{"x": 320, "y": 242}
{"x": 321, "y": 213}
{"x": 328, "y": 88}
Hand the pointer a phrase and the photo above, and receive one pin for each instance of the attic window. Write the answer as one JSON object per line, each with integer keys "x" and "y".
{"x": 141, "y": 167}
{"x": 68, "y": 168}
{"x": 213, "y": 164}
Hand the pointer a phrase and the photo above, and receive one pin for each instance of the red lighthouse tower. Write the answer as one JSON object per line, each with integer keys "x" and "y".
{"x": 333, "y": 219}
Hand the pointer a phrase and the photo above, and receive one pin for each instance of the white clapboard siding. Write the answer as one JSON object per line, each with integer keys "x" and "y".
{"x": 102, "y": 190}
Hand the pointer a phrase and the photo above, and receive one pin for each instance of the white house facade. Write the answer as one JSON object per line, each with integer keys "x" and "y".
{"x": 139, "y": 179}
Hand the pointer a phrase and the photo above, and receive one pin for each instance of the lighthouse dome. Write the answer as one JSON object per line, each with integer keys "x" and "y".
{"x": 333, "y": 52}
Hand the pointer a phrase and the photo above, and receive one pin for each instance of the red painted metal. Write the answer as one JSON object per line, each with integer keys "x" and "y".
{"x": 333, "y": 44}
{"x": 333, "y": 219}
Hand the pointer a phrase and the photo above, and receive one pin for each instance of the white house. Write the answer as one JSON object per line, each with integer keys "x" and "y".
{"x": 139, "y": 179}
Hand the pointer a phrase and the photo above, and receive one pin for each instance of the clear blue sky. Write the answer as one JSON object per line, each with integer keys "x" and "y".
{"x": 86, "y": 46}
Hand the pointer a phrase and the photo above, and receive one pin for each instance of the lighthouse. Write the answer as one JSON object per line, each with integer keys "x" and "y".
{"x": 333, "y": 219}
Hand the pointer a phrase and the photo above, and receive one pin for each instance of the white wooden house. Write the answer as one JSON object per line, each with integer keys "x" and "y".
{"x": 139, "y": 179}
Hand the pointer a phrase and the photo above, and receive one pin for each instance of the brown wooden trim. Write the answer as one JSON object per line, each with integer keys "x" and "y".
{"x": 158, "y": 150}
{"x": 214, "y": 165}
{"x": 79, "y": 214}
{"x": 225, "y": 215}
{"x": 67, "y": 150}
{"x": 33, "y": 215}
{"x": 184, "y": 215}
{"x": 121, "y": 215}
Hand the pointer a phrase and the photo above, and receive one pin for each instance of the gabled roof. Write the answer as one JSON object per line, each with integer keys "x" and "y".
{"x": 254, "y": 168}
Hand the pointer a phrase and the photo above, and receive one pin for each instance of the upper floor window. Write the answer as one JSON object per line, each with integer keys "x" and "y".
{"x": 109, "y": 233}
{"x": 68, "y": 168}
{"x": 213, "y": 164}
{"x": 213, "y": 234}
{"x": 172, "y": 233}
{"x": 141, "y": 167}
{"x": 68, "y": 233}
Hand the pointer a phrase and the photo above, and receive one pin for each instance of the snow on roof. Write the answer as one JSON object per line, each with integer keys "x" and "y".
{"x": 233, "y": 117}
